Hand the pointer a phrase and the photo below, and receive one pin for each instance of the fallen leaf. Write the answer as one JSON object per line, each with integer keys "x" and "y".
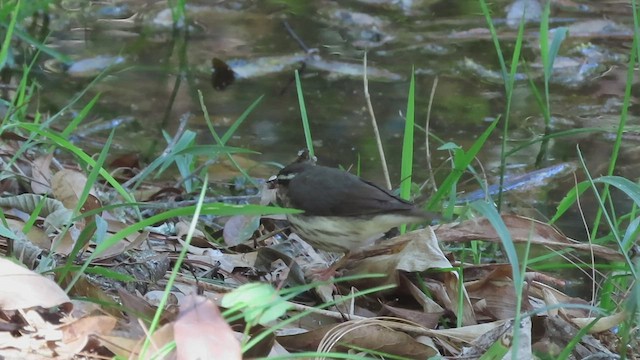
{"x": 523, "y": 230}
{"x": 41, "y": 173}
{"x": 75, "y": 335}
{"x": 67, "y": 186}
{"x": 239, "y": 229}
{"x": 201, "y": 332}
{"x": 23, "y": 288}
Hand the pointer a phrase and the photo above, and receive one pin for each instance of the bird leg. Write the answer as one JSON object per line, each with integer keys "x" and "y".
{"x": 331, "y": 271}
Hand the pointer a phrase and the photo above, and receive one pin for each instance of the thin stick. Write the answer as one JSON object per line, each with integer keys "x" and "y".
{"x": 426, "y": 140}
{"x": 296, "y": 37}
{"x": 374, "y": 123}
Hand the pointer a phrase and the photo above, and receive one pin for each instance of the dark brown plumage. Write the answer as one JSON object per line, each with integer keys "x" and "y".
{"x": 342, "y": 212}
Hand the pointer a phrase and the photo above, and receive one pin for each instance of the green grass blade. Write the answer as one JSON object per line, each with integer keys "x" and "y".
{"x": 460, "y": 164}
{"x": 229, "y": 133}
{"x": 236, "y": 124}
{"x": 86, "y": 159}
{"x": 219, "y": 209}
{"x": 155, "y": 323}
{"x": 6, "y": 44}
{"x": 491, "y": 213}
{"x": 624, "y": 113}
{"x": 494, "y": 38}
{"x": 303, "y": 115}
{"x": 92, "y": 178}
{"x": 407, "y": 142}
{"x": 81, "y": 116}
{"x": 406, "y": 169}
{"x": 568, "y": 200}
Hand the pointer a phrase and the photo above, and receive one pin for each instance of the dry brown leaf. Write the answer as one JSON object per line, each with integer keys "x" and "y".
{"x": 140, "y": 308}
{"x": 239, "y": 229}
{"x": 36, "y": 235}
{"x": 523, "y": 230}
{"x": 199, "y": 242}
{"x": 427, "y": 303}
{"x": 427, "y": 320}
{"x": 553, "y": 296}
{"x": 67, "y": 186}
{"x": 41, "y": 174}
{"x": 466, "y": 334}
{"x": 558, "y": 333}
{"x": 146, "y": 192}
{"x": 75, "y": 335}
{"x": 122, "y": 347}
{"x": 496, "y": 293}
{"x": 23, "y": 288}
{"x": 497, "y": 298}
{"x": 368, "y": 334}
{"x": 224, "y": 169}
{"x": 201, "y": 332}
{"x": 419, "y": 252}
{"x": 88, "y": 289}
{"x": 503, "y": 334}
{"x": 64, "y": 241}
{"x": 447, "y": 293}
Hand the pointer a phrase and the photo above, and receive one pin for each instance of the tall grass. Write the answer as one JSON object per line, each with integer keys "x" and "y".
{"x": 606, "y": 296}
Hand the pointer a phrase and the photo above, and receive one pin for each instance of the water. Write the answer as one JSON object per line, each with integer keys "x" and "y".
{"x": 161, "y": 71}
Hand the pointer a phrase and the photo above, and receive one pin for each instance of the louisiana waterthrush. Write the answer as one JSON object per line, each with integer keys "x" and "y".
{"x": 342, "y": 212}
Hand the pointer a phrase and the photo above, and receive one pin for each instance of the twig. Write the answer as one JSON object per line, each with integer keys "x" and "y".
{"x": 426, "y": 140}
{"x": 296, "y": 37}
{"x": 176, "y": 204}
{"x": 593, "y": 260}
{"x": 374, "y": 123}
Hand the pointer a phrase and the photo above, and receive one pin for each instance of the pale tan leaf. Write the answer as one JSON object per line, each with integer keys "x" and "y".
{"x": 41, "y": 172}
{"x": 23, "y": 288}
{"x": 64, "y": 241}
{"x": 602, "y": 324}
{"x": 201, "y": 332}
{"x": 466, "y": 334}
{"x": 555, "y": 296}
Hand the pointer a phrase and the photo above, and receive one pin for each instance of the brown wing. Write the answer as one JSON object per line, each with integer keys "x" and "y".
{"x": 327, "y": 191}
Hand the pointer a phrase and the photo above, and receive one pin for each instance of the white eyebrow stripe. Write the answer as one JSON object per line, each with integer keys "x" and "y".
{"x": 286, "y": 176}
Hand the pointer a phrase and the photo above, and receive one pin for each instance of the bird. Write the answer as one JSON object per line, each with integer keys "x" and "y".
{"x": 341, "y": 211}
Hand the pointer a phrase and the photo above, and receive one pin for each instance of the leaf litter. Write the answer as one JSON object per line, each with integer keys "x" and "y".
{"x": 245, "y": 279}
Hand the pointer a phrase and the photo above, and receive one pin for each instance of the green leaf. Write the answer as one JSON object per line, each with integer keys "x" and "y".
{"x": 259, "y": 302}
